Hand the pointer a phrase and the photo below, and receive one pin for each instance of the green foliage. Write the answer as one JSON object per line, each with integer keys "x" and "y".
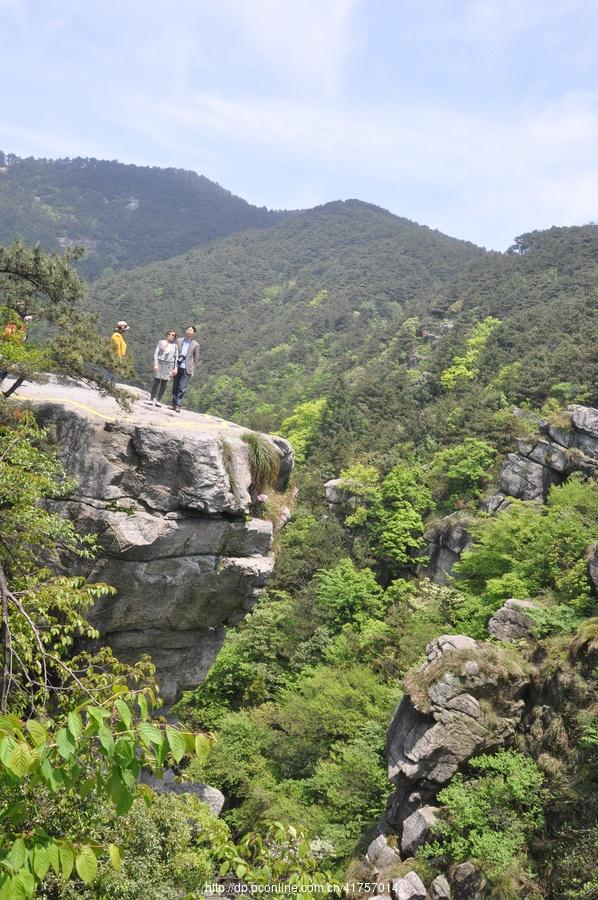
{"x": 93, "y": 751}
{"x": 460, "y": 472}
{"x": 396, "y": 519}
{"x": 465, "y": 367}
{"x": 346, "y": 594}
{"x": 362, "y": 484}
{"x": 46, "y": 287}
{"x": 489, "y": 818}
{"x": 300, "y": 427}
{"x": 129, "y": 215}
{"x": 529, "y": 550}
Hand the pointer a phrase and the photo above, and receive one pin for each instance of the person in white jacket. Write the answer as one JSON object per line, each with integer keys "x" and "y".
{"x": 165, "y": 366}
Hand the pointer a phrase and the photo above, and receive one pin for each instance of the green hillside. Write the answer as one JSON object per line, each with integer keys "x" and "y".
{"x": 284, "y": 300}
{"x": 125, "y": 215}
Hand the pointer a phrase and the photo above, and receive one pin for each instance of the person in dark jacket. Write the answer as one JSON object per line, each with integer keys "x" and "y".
{"x": 188, "y": 358}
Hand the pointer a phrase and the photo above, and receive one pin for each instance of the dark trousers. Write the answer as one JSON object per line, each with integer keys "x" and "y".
{"x": 158, "y": 388}
{"x": 179, "y": 386}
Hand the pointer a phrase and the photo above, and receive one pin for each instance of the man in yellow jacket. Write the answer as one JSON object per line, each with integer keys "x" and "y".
{"x": 119, "y": 345}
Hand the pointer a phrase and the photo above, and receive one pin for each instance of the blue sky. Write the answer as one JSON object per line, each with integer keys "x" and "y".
{"x": 477, "y": 117}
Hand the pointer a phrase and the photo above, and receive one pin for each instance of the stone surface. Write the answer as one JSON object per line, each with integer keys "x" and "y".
{"x": 445, "y": 542}
{"x": 440, "y": 889}
{"x": 510, "y": 622}
{"x": 571, "y": 447}
{"x": 494, "y": 503}
{"x": 169, "y": 496}
{"x": 169, "y": 784}
{"x": 441, "y": 722}
{"x": 467, "y": 883}
{"x": 409, "y": 887}
{"x": 381, "y": 856}
{"x": 416, "y": 828}
{"x": 521, "y": 477}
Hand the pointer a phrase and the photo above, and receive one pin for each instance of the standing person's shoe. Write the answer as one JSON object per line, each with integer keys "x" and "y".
{"x": 156, "y": 403}
{"x": 177, "y": 409}
{"x": 153, "y": 402}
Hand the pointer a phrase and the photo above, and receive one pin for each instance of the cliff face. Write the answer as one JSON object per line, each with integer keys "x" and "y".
{"x": 170, "y": 498}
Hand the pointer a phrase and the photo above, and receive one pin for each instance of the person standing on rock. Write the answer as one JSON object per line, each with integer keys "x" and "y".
{"x": 165, "y": 366}
{"x": 119, "y": 345}
{"x": 188, "y": 358}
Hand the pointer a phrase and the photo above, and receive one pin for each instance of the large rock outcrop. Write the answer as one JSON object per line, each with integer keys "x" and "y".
{"x": 570, "y": 446}
{"x": 465, "y": 698}
{"x": 445, "y": 541}
{"x": 170, "y": 497}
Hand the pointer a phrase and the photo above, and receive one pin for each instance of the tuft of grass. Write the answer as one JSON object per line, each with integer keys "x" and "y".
{"x": 264, "y": 461}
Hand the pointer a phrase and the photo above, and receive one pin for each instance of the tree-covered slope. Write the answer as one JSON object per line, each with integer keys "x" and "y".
{"x": 125, "y": 215}
{"x": 287, "y": 296}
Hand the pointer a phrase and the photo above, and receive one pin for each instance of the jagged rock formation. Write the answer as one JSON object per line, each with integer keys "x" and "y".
{"x": 445, "y": 542}
{"x": 510, "y": 622}
{"x": 170, "y": 498}
{"x": 571, "y": 446}
{"x": 465, "y": 698}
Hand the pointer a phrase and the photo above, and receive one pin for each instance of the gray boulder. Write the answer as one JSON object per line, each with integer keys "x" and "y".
{"x": 467, "y": 883}
{"x": 381, "y": 856}
{"x": 416, "y": 828}
{"x": 445, "y": 542}
{"x": 410, "y": 887}
{"x": 528, "y": 480}
{"x": 169, "y": 784}
{"x": 510, "y": 622}
{"x": 440, "y": 889}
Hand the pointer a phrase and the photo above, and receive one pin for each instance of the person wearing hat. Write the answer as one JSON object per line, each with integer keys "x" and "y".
{"x": 119, "y": 345}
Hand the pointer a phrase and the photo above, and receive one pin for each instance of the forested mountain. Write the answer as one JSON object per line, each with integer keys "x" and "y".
{"x": 125, "y": 215}
{"x": 447, "y": 394}
{"x": 287, "y": 298}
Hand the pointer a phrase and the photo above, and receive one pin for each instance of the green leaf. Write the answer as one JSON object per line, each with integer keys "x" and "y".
{"x": 106, "y": 739}
{"x": 143, "y": 706}
{"x": 67, "y": 860}
{"x": 17, "y": 856}
{"x": 149, "y": 734}
{"x": 38, "y": 733}
{"x": 7, "y": 745}
{"x": 86, "y": 864}
{"x": 22, "y": 886}
{"x": 124, "y": 712}
{"x": 20, "y": 760}
{"x": 241, "y": 871}
{"x": 224, "y": 868}
{"x": 41, "y": 862}
{"x": 124, "y": 750}
{"x": 177, "y": 743}
{"x": 65, "y": 743}
{"x": 124, "y": 802}
{"x": 115, "y": 857}
{"x": 75, "y": 723}
{"x": 53, "y": 856}
{"x": 202, "y": 747}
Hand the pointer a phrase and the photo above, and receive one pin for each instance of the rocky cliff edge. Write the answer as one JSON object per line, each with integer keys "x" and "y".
{"x": 170, "y": 497}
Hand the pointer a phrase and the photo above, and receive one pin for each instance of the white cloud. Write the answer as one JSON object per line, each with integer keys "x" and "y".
{"x": 532, "y": 167}
{"x": 309, "y": 40}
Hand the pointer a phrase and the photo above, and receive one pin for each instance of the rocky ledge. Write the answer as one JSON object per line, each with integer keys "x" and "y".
{"x": 170, "y": 497}
{"x": 571, "y": 445}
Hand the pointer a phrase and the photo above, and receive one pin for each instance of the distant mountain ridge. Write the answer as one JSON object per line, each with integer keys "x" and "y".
{"x": 316, "y": 282}
{"x": 125, "y": 215}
